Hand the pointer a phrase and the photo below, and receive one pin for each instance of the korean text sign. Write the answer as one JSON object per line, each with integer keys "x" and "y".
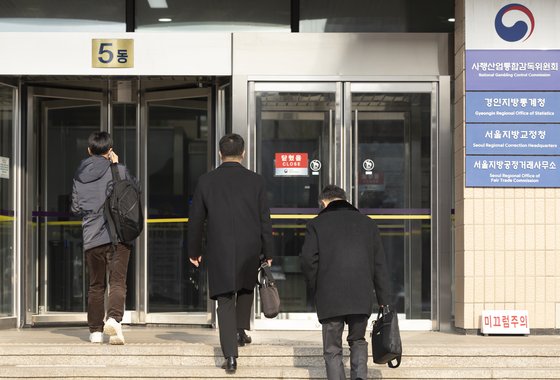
{"x": 291, "y": 164}
{"x": 112, "y": 53}
{"x": 505, "y": 322}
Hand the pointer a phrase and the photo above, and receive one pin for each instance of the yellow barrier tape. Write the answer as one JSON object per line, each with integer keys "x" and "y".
{"x": 4, "y": 218}
{"x": 65, "y": 223}
{"x": 381, "y": 217}
{"x": 274, "y": 216}
{"x": 168, "y": 220}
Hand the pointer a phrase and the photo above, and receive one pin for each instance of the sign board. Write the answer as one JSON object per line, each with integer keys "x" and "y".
{"x": 291, "y": 165}
{"x": 530, "y": 139}
{"x": 512, "y": 171}
{"x": 113, "y": 53}
{"x": 513, "y": 107}
{"x": 5, "y": 167}
{"x": 512, "y": 98}
{"x": 505, "y": 322}
{"x": 512, "y": 70}
{"x": 506, "y": 25}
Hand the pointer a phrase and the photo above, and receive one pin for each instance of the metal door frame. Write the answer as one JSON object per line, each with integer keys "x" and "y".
{"x": 439, "y": 88}
{"x": 351, "y": 167}
{"x": 33, "y": 313}
{"x": 13, "y": 320}
{"x": 293, "y": 321}
{"x": 142, "y": 315}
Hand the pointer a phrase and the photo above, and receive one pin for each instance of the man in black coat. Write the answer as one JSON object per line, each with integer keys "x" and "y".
{"x": 343, "y": 261}
{"x": 232, "y": 200}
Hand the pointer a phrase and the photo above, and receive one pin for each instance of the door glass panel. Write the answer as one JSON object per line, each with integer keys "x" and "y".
{"x": 65, "y": 126}
{"x": 177, "y": 155}
{"x": 294, "y": 135}
{"x": 125, "y": 145}
{"x": 392, "y": 181}
{"x": 6, "y": 201}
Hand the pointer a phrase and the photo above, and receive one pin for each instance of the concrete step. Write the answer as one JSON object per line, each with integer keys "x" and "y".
{"x": 194, "y": 353}
{"x": 254, "y": 356}
{"x": 101, "y": 371}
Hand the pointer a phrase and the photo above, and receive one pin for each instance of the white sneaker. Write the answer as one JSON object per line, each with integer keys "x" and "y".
{"x": 114, "y": 330}
{"x": 96, "y": 337}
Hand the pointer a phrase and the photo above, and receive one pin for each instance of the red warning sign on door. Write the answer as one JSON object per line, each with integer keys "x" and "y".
{"x": 291, "y": 164}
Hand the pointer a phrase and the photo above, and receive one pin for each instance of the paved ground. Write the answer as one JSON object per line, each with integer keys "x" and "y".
{"x": 185, "y": 335}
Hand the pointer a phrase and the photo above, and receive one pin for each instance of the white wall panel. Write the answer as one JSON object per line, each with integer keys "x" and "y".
{"x": 154, "y": 54}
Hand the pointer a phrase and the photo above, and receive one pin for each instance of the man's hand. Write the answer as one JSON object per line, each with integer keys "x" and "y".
{"x": 113, "y": 157}
{"x": 196, "y": 262}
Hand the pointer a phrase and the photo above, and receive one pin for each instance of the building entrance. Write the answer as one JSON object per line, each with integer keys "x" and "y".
{"x": 166, "y": 138}
{"x": 375, "y": 141}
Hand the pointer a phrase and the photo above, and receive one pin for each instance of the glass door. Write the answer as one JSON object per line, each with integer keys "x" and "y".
{"x": 59, "y": 123}
{"x": 390, "y": 166}
{"x": 295, "y": 133}
{"x": 375, "y": 141}
{"x": 7, "y": 206}
{"x": 179, "y": 142}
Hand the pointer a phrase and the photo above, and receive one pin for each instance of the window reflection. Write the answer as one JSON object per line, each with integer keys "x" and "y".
{"x": 6, "y": 202}
{"x": 393, "y": 177}
{"x": 177, "y": 156}
{"x": 125, "y": 145}
{"x": 291, "y": 124}
{"x": 361, "y": 16}
{"x": 217, "y": 15}
{"x": 62, "y": 16}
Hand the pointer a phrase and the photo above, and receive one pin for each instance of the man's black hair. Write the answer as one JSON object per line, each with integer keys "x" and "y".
{"x": 99, "y": 143}
{"x": 331, "y": 192}
{"x": 232, "y": 145}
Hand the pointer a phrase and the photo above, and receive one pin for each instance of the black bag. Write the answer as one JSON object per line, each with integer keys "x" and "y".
{"x": 386, "y": 338}
{"x": 123, "y": 210}
{"x": 270, "y": 299}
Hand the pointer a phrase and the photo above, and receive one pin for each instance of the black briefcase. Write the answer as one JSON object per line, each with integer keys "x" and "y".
{"x": 270, "y": 299}
{"x": 386, "y": 338}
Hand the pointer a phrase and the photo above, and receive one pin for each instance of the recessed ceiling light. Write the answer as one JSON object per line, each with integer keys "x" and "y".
{"x": 451, "y": 19}
{"x": 157, "y": 3}
{"x": 164, "y": 19}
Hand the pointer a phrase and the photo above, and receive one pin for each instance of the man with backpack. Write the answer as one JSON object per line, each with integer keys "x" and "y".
{"x": 96, "y": 197}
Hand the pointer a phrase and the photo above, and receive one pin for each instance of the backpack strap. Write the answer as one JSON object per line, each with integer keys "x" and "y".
{"x": 110, "y": 222}
{"x": 115, "y": 172}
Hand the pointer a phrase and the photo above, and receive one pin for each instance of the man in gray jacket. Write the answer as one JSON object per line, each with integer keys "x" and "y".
{"x": 88, "y": 197}
{"x": 344, "y": 262}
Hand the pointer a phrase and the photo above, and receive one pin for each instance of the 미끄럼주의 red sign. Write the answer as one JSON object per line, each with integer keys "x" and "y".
{"x": 505, "y": 322}
{"x": 291, "y": 165}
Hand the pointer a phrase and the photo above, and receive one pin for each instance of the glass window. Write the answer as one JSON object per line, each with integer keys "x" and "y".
{"x": 392, "y": 177}
{"x": 376, "y": 16}
{"x": 214, "y": 15}
{"x": 62, "y": 16}
{"x": 69, "y": 122}
{"x": 177, "y": 155}
{"x": 294, "y": 137}
{"x": 6, "y": 201}
{"x": 125, "y": 145}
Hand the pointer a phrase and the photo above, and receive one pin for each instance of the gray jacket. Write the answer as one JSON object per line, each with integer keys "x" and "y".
{"x": 88, "y": 196}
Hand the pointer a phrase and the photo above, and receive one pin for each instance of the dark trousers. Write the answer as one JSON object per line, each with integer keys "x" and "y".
{"x": 102, "y": 260}
{"x": 332, "y": 346}
{"x": 234, "y": 312}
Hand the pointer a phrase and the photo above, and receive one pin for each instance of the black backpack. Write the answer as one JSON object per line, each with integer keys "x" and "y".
{"x": 122, "y": 209}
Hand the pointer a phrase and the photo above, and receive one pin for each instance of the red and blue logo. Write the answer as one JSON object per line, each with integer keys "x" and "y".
{"x": 518, "y": 31}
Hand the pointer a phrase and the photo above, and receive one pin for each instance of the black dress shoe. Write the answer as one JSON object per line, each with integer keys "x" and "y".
{"x": 230, "y": 365}
{"x": 243, "y": 338}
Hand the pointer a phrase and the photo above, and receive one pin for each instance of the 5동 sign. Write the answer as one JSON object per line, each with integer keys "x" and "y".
{"x": 113, "y": 53}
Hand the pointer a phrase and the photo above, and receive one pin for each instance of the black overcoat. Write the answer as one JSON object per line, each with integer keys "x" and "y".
{"x": 232, "y": 201}
{"x": 343, "y": 261}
